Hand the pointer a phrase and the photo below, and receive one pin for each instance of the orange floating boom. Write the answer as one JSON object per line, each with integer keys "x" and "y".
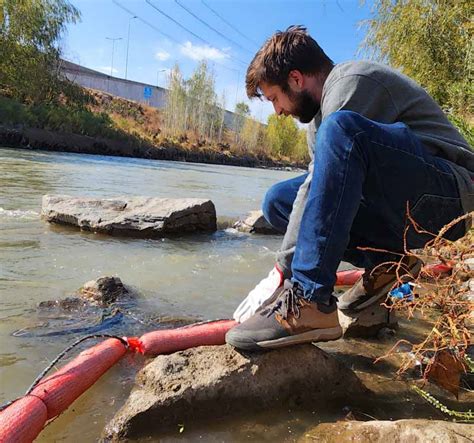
{"x": 60, "y": 389}
{"x": 172, "y": 340}
{"x": 23, "y": 420}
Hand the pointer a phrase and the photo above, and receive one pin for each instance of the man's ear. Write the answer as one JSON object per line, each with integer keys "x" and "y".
{"x": 296, "y": 80}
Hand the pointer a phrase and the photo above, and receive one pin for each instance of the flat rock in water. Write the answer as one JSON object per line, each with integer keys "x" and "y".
{"x": 412, "y": 431}
{"x": 255, "y": 223}
{"x": 131, "y": 216}
{"x": 211, "y": 382}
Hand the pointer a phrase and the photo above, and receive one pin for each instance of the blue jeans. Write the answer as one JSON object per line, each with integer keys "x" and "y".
{"x": 365, "y": 175}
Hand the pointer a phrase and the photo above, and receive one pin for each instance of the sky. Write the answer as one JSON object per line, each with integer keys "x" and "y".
{"x": 226, "y": 33}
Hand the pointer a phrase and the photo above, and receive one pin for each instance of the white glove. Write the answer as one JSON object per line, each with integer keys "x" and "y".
{"x": 257, "y": 296}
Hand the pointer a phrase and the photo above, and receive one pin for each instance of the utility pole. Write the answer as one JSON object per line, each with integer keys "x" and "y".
{"x": 113, "y": 49}
{"x": 128, "y": 43}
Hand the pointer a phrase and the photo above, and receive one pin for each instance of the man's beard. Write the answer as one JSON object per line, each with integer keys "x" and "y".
{"x": 304, "y": 106}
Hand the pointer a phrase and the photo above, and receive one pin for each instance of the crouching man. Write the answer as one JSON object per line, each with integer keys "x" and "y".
{"x": 379, "y": 144}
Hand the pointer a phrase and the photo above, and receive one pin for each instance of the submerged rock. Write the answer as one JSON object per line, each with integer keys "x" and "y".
{"x": 131, "y": 216}
{"x": 368, "y": 322}
{"x": 211, "y": 382}
{"x": 104, "y": 290}
{"x": 255, "y": 223}
{"x": 413, "y": 431}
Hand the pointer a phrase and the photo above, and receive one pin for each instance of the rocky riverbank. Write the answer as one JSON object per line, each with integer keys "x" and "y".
{"x": 43, "y": 139}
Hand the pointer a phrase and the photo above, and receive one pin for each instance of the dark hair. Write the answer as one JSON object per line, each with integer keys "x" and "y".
{"x": 283, "y": 52}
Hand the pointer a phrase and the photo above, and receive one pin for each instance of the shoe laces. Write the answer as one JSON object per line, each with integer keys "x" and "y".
{"x": 287, "y": 303}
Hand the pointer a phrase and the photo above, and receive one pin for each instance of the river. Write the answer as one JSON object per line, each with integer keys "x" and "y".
{"x": 199, "y": 276}
{"x": 194, "y": 277}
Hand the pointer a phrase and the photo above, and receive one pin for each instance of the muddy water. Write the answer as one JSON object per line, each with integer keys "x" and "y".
{"x": 195, "y": 277}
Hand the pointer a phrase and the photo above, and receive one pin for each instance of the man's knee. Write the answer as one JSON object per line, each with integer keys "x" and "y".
{"x": 342, "y": 122}
{"x": 271, "y": 204}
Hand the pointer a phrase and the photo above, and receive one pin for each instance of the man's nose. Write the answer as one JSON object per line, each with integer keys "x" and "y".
{"x": 277, "y": 109}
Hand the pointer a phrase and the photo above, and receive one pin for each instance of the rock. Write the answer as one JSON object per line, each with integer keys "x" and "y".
{"x": 413, "y": 431}
{"x": 368, "y": 322}
{"x": 255, "y": 223}
{"x": 103, "y": 291}
{"x": 131, "y": 216}
{"x": 211, "y": 382}
{"x": 68, "y": 304}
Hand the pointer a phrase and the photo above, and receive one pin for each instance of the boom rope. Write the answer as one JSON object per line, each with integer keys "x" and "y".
{"x": 59, "y": 357}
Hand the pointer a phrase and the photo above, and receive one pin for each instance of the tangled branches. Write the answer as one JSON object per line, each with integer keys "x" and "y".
{"x": 445, "y": 300}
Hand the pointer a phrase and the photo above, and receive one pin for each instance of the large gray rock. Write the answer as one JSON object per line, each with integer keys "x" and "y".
{"x": 410, "y": 431}
{"x": 256, "y": 223}
{"x": 210, "y": 382}
{"x": 131, "y": 216}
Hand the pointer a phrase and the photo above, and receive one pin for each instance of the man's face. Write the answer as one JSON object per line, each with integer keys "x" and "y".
{"x": 300, "y": 105}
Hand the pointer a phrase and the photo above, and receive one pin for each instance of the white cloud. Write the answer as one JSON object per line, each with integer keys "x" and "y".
{"x": 162, "y": 56}
{"x": 196, "y": 52}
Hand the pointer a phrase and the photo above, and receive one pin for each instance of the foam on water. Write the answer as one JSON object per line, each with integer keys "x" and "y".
{"x": 18, "y": 213}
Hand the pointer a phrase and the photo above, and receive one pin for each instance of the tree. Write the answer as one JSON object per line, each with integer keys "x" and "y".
{"x": 241, "y": 113}
{"x": 429, "y": 40}
{"x": 282, "y": 134}
{"x": 30, "y": 33}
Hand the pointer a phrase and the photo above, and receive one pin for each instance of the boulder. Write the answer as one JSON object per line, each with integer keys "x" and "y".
{"x": 368, "y": 322}
{"x": 255, "y": 223}
{"x": 131, "y": 216}
{"x": 413, "y": 431}
{"x": 210, "y": 382}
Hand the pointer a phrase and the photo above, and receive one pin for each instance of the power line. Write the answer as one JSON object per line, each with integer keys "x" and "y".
{"x": 145, "y": 22}
{"x": 128, "y": 11}
{"x": 211, "y": 27}
{"x": 188, "y": 30}
{"x": 228, "y": 24}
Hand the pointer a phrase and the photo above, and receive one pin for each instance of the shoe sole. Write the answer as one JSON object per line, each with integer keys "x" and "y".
{"x": 381, "y": 293}
{"x": 306, "y": 337}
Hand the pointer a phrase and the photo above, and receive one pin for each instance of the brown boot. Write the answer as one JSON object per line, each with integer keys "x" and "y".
{"x": 289, "y": 320}
{"x": 374, "y": 285}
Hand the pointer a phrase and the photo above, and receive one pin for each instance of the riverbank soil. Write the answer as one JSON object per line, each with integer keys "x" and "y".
{"x": 112, "y": 125}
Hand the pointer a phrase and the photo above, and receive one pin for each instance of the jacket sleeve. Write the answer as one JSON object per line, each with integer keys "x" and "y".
{"x": 357, "y": 93}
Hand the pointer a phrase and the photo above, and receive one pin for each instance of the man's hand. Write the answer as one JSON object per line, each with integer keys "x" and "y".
{"x": 257, "y": 296}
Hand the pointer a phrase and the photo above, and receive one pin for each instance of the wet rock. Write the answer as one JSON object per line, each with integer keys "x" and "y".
{"x": 368, "y": 322}
{"x": 413, "y": 431}
{"x": 131, "y": 216}
{"x": 67, "y": 304}
{"x": 211, "y": 382}
{"x": 255, "y": 223}
{"x": 104, "y": 290}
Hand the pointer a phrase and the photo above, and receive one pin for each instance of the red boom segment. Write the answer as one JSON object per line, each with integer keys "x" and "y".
{"x": 60, "y": 389}
{"x": 172, "y": 340}
{"x": 22, "y": 421}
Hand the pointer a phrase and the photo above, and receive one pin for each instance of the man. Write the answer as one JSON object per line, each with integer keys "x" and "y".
{"x": 381, "y": 145}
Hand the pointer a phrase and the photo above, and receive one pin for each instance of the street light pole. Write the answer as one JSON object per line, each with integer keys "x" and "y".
{"x": 128, "y": 44}
{"x": 113, "y": 49}
{"x": 158, "y": 76}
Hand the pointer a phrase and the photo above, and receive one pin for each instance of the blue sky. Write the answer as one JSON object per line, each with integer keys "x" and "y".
{"x": 245, "y": 23}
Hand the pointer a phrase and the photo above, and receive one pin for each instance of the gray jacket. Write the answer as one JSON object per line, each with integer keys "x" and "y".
{"x": 385, "y": 95}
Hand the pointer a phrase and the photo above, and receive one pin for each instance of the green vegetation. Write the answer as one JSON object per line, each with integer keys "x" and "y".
{"x": 432, "y": 42}
{"x": 30, "y": 32}
{"x": 194, "y": 113}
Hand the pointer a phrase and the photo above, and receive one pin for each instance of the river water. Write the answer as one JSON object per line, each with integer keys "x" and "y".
{"x": 198, "y": 276}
